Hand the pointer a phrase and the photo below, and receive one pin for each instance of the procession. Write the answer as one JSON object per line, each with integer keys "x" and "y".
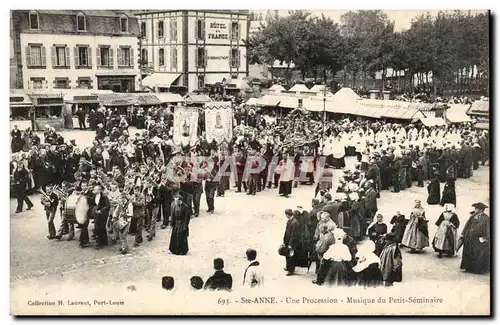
{"x": 327, "y": 174}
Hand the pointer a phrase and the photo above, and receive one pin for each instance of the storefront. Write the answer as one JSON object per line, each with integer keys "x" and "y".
{"x": 118, "y": 84}
{"x": 49, "y": 110}
{"x": 124, "y": 103}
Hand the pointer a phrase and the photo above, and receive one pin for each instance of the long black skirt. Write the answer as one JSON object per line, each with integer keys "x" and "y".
{"x": 285, "y": 188}
{"x": 339, "y": 163}
{"x": 179, "y": 239}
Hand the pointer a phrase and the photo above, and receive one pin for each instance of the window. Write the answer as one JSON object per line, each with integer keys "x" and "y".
{"x": 33, "y": 18}
{"x": 235, "y": 58}
{"x": 201, "y": 57}
{"x": 124, "y": 24}
{"x": 81, "y": 23}
{"x": 173, "y": 30}
{"x": 144, "y": 56}
{"x": 173, "y": 53}
{"x": 200, "y": 29}
{"x": 125, "y": 57}
{"x": 160, "y": 29}
{"x": 35, "y": 56}
{"x": 143, "y": 29}
{"x": 161, "y": 57}
{"x": 82, "y": 56}
{"x": 235, "y": 31}
{"x": 105, "y": 56}
{"x": 84, "y": 82}
{"x": 61, "y": 83}
{"x": 60, "y": 56}
{"x": 201, "y": 81}
{"x": 37, "y": 83}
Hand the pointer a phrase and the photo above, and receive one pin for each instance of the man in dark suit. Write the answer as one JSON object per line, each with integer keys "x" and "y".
{"x": 81, "y": 118}
{"x": 99, "y": 206}
{"x": 291, "y": 241}
{"x": 220, "y": 281}
{"x": 333, "y": 208}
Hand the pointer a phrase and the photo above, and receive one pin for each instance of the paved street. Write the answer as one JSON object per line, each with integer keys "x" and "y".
{"x": 53, "y": 269}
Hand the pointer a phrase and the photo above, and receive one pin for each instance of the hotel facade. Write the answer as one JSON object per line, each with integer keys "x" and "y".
{"x": 192, "y": 49}
{"x": 74, "y": 49}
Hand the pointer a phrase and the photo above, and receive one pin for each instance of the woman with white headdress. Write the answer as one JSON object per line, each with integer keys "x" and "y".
{"x": 416, "y": 235}
{"x": 446, "y": 240}
{"x": 368, "y": 266}
{"x": 333, "y": 268}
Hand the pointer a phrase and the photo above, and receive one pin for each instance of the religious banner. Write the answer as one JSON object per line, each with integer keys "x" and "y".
{"x": 219, "y": 123}
{"x": 185, "y": 125}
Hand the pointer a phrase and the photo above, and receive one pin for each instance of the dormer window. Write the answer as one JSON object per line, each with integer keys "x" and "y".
{"x": 124, "y": 24}
{"x": 81, "y": 22}
{"x": 33, "y": 18}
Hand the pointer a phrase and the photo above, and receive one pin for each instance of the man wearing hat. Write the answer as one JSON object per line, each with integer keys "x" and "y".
{"x": 475, "y": 239}
{"x": 291, "y": 241}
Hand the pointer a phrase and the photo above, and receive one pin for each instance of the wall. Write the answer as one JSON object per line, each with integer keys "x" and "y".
{"x": 71, "y": 41}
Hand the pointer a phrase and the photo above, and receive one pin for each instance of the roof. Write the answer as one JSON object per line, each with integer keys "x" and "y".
{"x": 197, "y": 98}
{"x": 318, "y": 88}
{"x": 118, "y": 99}
{"x": 482, "y": 126}
{"x": 147, "y": 99}
{"x": 19, "y": 98}
{"x": 169, "y": 97}
{"x": 345, "y": 95}
{"x": 77, "y": 95}
{"x": 393, "y": 109}
{"x": 90, "y": 13}
{"x": 299, "y": 88}
{"x": 289, "y": 102}
{"x": 480, "y": 107}
{"x": 252, "y": 101}
{"x": 269, "y": 100}
{"x": 457, "y": 113}
{"x": 160, "y": 79}
{"x": 433, "y": 121}
{"x": 277, "y": 88}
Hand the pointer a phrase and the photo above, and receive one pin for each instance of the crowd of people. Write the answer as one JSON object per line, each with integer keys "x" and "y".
{"x": 123, "y": 185}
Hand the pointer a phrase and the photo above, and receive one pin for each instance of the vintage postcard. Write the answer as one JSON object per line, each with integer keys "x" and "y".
{"x": 249, "y": 162}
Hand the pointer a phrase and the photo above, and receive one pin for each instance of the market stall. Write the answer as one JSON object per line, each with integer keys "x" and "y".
{"x": 480, "y": 112}
{"x": 197, "y": 100}
{"x": 49, "y": 110}
{"x": 457, "y": 113}
{"x": 21, "y": 110}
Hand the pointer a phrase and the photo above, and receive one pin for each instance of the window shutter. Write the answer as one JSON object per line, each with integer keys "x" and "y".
{"x": 196, "y": 57}
{"x": 53, "y": 54}
{"x": 119, "y": 52}
{"x": 196, "y": 29}
{"x": 203, "y": 30}
{"x": 44, "y": 58}
{"x": 205, "y": 58}
{"x": 28, "y": 56}
{"x": 89, "y": 52}
{"x": 230, "y": 58}
{"x": 175, "y": 31}
{"x": 132, "y": 63}
{"x": 238, "y": 33}
{"x": 111, "y": 58}
{"x": 77, "y": 61}
{"x": 98, "y": 56}
{"x": 66, "y": 62}
{"x": 238, "y": 64}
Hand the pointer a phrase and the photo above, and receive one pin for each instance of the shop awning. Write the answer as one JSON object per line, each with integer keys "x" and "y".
{"x": 433, "y": 121}
{"x": 147, "y": 99}
{"x": 84, "y": 96}
{"x": 117, "y": 99}
{"x": 158, "y": 79}
{"x": 169, "y": 98}
{"x": 480, "y": 108}
{"x": 313, "y": 105}
{"x": 269, "y": 100}
{"x": 47, "y": 99}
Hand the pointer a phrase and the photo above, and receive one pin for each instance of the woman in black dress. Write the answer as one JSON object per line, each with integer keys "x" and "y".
{"x": 180, "y": 216}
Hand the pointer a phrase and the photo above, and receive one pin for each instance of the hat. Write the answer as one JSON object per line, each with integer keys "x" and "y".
{"x": 283, "y": 251}
{"x": 480, "y": 205}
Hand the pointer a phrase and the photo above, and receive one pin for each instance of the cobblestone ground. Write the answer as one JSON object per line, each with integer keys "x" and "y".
{"x": 240, "y": 222}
